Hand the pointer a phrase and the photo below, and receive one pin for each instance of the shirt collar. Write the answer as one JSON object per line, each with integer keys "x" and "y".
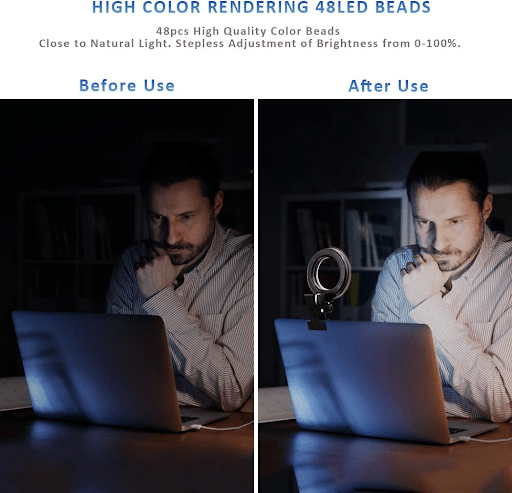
{"x": 482, "y": 256}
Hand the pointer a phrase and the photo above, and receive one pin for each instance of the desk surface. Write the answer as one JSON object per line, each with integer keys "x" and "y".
{"x": 45, "y": 455}
{"x": 293, "y": 460}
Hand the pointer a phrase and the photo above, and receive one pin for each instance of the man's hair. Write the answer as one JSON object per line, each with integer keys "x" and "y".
{"x": 170, "y": 163}
{"x": 433, "y": 170}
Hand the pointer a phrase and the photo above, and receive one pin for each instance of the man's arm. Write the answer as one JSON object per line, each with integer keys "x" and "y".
{"x": 122, "y": 291}
{"x": 385, "y": 303}
{"x": 222, "y": 368}
{"x": 480, "y": 373}
{"x": 483, "y": 375}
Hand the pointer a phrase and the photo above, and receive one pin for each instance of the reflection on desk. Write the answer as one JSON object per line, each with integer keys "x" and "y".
{"x": 66, "y": 457}
{"x": 293, "y": 460}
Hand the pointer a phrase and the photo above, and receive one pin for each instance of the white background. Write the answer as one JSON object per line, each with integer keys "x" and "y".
{"x": 478, "y": 69}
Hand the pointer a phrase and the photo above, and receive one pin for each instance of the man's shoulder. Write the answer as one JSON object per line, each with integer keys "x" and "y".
{"x": 235, "y": 241}
{"x": 401, "y": 256}
{"x": 135, "y": 250}
{"x": 502, "y": 245}
{"x": 237, "y": 248}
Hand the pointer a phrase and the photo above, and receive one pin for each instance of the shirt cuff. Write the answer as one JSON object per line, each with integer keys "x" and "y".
{"x": 435, "y": 313}
{"x": 166, "y": 304}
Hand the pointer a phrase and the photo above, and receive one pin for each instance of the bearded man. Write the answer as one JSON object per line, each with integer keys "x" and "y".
{"x": 196, "y": 275}
{"x": 458, "y": 281}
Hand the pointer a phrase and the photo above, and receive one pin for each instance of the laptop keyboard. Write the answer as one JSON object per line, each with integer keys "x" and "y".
{"x": 456, "y": 430}
{"x": 184, "y": 419}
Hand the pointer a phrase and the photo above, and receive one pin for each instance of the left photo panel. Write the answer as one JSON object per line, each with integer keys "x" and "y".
{"x": 127, "y": 337}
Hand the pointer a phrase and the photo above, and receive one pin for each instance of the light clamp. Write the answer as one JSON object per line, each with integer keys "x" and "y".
{"x": 319, "y": 303}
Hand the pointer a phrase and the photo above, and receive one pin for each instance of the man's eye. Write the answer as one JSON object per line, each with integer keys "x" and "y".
{"x": 455, "y": 221}
{"x": 187, "y": 217}
{"x": 423, "y": 223}
{"x": 156, "y": 217}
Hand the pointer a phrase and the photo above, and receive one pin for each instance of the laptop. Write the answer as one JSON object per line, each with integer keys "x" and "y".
{"x": 368, "y": 378}
{"x": 103, "y": 369}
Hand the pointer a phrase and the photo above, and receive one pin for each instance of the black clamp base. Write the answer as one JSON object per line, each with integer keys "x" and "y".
{"x": 319, "y": 306}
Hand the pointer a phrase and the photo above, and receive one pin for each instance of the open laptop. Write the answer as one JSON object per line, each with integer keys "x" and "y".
{"x": 103, "y": 369}
{"x": 368, "y": 378}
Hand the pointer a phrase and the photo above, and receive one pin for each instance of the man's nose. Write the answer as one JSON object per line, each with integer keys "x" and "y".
{"x": 173, "y": 233}
{"x": 438, "y": 238}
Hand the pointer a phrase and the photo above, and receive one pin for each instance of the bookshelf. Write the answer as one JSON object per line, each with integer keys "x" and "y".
{"x": 69, "y": 242}
{"x": 310, "y": 221}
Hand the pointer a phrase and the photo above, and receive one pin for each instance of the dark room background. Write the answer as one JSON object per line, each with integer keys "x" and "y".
{"x": 74, "y": 158}
{"x": 304, "y": 147}
{"x": 325, "y": 147}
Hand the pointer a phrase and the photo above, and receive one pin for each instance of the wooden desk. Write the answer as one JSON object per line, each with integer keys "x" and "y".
{"x": 55, "y": 456}
{"x": 292, "y": 460}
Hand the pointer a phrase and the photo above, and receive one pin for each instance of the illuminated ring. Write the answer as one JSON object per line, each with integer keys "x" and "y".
{"x": 345, "y": 272}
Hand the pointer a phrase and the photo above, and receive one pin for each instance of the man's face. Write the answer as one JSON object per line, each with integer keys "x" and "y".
{"x": 181, "y": 220}
{"x": 449, "y": 224}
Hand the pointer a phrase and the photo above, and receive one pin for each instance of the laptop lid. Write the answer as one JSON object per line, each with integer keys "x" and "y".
{"x": 365, "y": 378}
{"x": 100, "y": 368}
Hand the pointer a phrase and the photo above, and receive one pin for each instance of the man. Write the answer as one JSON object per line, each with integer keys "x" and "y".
{"x": 458, "y": 281}
{"x": 194, "y": 274}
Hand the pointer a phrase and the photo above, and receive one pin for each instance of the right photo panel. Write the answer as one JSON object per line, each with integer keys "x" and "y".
{"x": 385, "y": 295}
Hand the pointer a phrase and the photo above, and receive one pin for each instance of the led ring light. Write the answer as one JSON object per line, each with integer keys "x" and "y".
{"x": 345, "y": 272}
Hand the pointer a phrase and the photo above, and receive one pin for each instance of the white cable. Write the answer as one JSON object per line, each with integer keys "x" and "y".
{"x": 201, "y": 427}
{"x": 467, "y": 439}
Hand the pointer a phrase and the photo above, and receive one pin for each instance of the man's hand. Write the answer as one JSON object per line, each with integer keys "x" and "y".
{"x": 155, "y": 272}
{"x": 422, "y": 278}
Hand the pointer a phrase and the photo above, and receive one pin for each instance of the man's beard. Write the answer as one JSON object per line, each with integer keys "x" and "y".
{"x": 189, "y": 253}
{"x": 446, "y": 265}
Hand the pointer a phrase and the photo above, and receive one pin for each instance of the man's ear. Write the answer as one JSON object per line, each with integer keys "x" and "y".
{"x": 487, "y": 206}
{"x": 218, "y": 202}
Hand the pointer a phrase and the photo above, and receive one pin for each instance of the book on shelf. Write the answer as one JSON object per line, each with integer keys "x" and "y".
{"x": 307, "y": 233}
{"x": 62, "y": 246}
{"x": 89, "y": 232}
{"x": 52, "y": 232}
{"x": 106, "y": 246}
{"x": 95, "y": 233}
{"x": 323, "y": 229}
{"x": 369, "y": 242}
{"x": 384, "y": 239}
{"x": 44, "y": 231}
{"x": 354, "y": 240}
{"x": 373, "y": 246}
{"x": 365, "y": 234}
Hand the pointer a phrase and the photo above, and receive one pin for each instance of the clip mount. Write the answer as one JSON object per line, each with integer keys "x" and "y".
{"x": 320, "y": 302}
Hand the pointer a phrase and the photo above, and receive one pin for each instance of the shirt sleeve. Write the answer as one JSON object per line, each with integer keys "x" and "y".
{"x": 483, "y": 375}
{"x": 122, "y": 288}
{"x": 221, "y": 368}
{"x": 385, "y": 303}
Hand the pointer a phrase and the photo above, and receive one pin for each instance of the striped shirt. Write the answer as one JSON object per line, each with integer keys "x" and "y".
{"x": 471, "y": 326}
{"x": 209, "y": 319}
